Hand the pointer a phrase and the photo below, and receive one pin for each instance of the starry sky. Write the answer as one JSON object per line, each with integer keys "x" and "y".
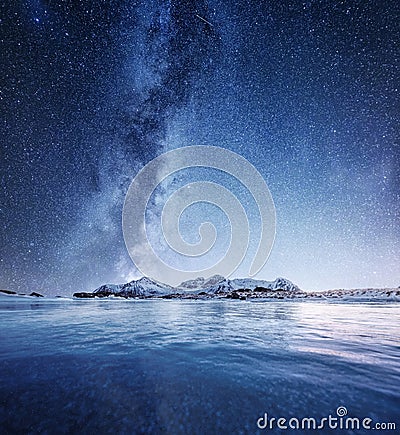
{"x": 307, "y": 91}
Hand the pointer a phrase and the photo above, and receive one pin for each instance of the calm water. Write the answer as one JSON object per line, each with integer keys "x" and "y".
{"x": 194, "y": 367}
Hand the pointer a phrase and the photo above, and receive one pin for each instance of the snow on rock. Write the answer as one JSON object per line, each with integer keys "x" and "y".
{"x": 227, "y": 285}
{"x": 201, "y": 283}
{"x": 146, "y": 287}
{"x": 141, "y": 287}
{"x": 278, "y": 284}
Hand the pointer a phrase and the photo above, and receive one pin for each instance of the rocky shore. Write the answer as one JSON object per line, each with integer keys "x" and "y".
{"x": 13, "y": 293}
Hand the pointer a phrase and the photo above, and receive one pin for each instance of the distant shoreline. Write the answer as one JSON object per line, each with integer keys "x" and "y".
{"x": 392, "y": 294}
{"x": 388, "y": 294}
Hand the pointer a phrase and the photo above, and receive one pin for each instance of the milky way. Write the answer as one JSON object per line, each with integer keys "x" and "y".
{"x": 308, "y": 92}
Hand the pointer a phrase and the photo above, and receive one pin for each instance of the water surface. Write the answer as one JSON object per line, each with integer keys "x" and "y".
{"x": 193, "y": 367}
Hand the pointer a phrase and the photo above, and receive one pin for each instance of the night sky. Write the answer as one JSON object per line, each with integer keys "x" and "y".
{"x": 308, "y": 92}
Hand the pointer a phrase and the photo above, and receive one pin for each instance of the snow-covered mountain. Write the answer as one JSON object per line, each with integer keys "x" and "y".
{"x": 141, "y": 287}
{"x": 227, "y": 285}
{"x": 146, "y": 287}
{"x": 201, "y": 283}
{"x": 278, "y": 284}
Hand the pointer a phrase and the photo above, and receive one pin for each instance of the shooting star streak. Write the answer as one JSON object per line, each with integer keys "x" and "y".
{"x": 203, "y": 19}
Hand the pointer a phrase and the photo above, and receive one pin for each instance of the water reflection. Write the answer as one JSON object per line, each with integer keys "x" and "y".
{"x": 364, "y": 333}
{"x": 192, "y": 366}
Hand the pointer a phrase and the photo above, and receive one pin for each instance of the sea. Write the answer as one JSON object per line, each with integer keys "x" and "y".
{"x": 198, "y": 366}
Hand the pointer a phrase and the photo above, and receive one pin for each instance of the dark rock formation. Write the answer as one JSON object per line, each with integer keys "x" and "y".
{"x": 8, "y": 292}
{"x": 38, "y": 295}
{"x": 84, "y": 295}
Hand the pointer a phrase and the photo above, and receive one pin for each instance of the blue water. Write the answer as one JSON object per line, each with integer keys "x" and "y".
{"x": 194, "y": 367}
